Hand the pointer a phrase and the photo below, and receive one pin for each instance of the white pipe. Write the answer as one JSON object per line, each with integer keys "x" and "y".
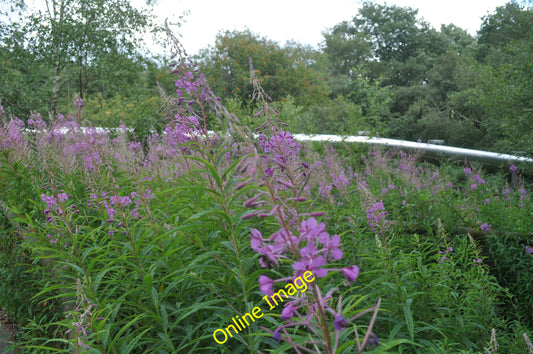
{"x": 428, "y": 150}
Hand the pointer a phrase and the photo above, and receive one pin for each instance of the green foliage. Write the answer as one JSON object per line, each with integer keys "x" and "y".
{"x": 24, "y": 80}
{"x": 283, "y": 70}
{"x": 442, "y": 84}
{"x": 72, "y": 47}
{"x": 165, "y": 277}
{"x": 141, "y": 113}
{"x": 339, "y": 116}
{"x": 512, "y": 265}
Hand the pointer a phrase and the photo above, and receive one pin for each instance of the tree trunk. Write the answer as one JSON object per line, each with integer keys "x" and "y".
{"x": 55, "y": 90}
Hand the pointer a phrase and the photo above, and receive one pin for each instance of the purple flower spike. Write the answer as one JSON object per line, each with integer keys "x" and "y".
{"x": 350, "y": 273}
{"x": 340, "y": 323}
{"x": 266, "y": 285}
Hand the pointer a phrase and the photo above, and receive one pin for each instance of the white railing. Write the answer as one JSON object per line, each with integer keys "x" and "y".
{"x": 426, "y": 149}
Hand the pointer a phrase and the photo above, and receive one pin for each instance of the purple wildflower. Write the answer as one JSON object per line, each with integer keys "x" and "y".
{"x": 270, "y": 252}
{"x": 135, "y": 213}
{"x": 36, "y": 121}
{"x": 50, "y": 201}
{"x": 529, "y": 250}
{"x": 324, "y": 190}
{"x": 122, "y": 201}
{"x": 373, "y": 340}
{"x": 332, "y": 247}
{"x": 350, "y": 273}
{"x": 50, "y": 238}
{"x": 78, "y": 102}
{"x": 478, "y": 179}
{"x": 111, "y": 213}
{"x": 148, "y": 194}
{"x": 282, "y": 143}
{"x": 376, "y": 216}
{"x": 310, "y": 229}
{"x": 339, "y": 322}
{"x": 340, "y": 181}
{"x": 266, "y": 285}
{"x": 277, "y": 335}
{"x": 486, "y": 227}
{"x": 288, "y": 311}
{"x": 312, "y": 264}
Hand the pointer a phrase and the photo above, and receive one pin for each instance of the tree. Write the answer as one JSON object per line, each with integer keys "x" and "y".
{"x": 506, "y": 46}
{"x": 283, "y": 70}
{"x": 389, "y": 41}
{"x": 346, "y": 48}
{"x": 80, "y": 39}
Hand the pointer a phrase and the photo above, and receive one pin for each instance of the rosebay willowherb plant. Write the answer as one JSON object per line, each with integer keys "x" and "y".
{"x": 312, "y": 320}
{"x": 282, "y": 177}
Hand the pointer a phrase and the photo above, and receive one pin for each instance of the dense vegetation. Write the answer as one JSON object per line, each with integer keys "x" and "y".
{"x": 151, "y": 240}
{"x": 385, "y": 71}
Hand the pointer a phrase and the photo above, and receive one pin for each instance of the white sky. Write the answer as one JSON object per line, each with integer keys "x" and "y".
{"x": 302, "y": 20}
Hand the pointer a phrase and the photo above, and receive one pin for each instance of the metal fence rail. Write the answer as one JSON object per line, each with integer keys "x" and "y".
{"x": 426, "y": 149}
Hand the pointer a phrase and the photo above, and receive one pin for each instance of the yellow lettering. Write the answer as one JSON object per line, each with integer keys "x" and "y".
{"x": 307, "y": 275}
{"x": 215, "y": 336}
{"x": 303, "y": 287}
{"x": 247, "y": 314}
{"x": 280, "y": 298}
{"x": 258, "y": 310}
{"x": 292, "y": 290}
{"x": 269, "y": 304}
{"x": 227, "y": 330}
{"x": 236, "y": 324}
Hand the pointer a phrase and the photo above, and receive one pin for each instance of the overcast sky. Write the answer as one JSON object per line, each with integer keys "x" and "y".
{"x": 303, "y": 20}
